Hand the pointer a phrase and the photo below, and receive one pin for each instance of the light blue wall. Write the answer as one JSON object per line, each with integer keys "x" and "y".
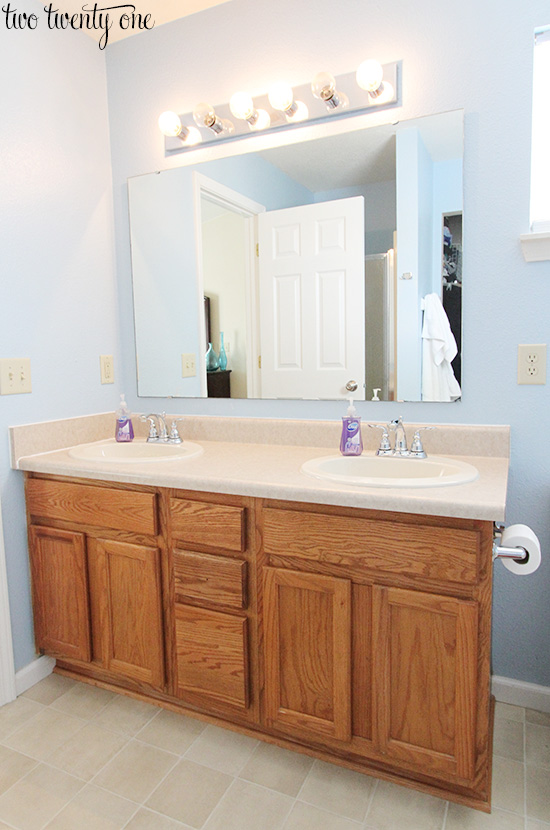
{"x": 476, "y": 56}
{"x": 59, "y": 301}
{"x": 447, "y": 198}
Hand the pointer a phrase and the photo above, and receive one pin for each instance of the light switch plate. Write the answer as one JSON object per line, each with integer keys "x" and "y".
{"x": 15, "y": 375}
{"x": 107, "y": 368}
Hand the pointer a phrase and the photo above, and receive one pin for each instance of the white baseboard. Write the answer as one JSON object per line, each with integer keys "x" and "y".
{"x": 33, "y": 673}
{"x": 519, "y": 693}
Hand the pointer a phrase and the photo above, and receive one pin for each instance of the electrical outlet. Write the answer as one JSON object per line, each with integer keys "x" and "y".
{"x": 188, "y": 365}
{"x": 532, "y": 363}
{"x": 15, "y": 375}
{"x": 107, "y": 368}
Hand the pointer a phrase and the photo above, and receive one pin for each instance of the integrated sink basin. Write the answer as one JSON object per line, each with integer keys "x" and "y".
{"x": 388, "y": 471}
{"x": 134, "y": 452}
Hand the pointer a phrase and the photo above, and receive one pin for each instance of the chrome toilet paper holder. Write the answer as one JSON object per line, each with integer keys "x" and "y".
{"x": 503, "y": 552}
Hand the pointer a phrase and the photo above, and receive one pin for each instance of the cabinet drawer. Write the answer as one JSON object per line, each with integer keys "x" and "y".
{"x": 218, "y": 580}
{"x": 87, "y": 505}
{"x": 363, "y": 545}
{"x": 212, "y": 655}
{"x": 203, "y": 523}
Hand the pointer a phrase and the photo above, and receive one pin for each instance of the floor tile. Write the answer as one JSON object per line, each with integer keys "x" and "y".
{"x": 395, "y": 807}
{"x": 36, "y": 799}
{"x": 13, "y": 766}
{"x": 277, "y": 768}
{"x": 83, "y": 701}
{"x": 464, "y": 818}
{"x": 508, "y": 739}
{"x": 136, "y": 771}
{"x": 532, "y": 824}
{"x": 537, "y": 745}
{"x": 538, "y": 793}
{"x": 49, "y": 689}
{"x": 189, "y": 793}
{"x": 46, "y": 732}
{"x": 307, "y": 817}
{"x": 13, "y": 715}
{"x": 222, "y": 749}
{"x": 86, "y": 752}
{"x": 542, "y": 718}
{"x": 246, "y": 806}
{"x": 337, "y": 790}
{"x": 509, "y": 712}
{"x": 94, "y": 809}
{"x": 147, "y": 820}
{"x": 508, "y": 785}
{"x": 124, "y": 714}
{"x": 171, "y": 731}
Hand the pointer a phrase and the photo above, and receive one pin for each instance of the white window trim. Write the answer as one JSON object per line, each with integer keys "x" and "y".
{"x": 536, "y": 245}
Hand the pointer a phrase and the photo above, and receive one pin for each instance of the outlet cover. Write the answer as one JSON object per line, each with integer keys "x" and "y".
{"x": 532, "y": 363}
{"x": 15, "y": 375}
{"x": 188, "y": 365}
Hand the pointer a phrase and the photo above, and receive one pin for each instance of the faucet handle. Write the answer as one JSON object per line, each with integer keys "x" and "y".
{"x": 385, "y": 446}
{"x": 174, "y": 436}
{"x": 153, "y": 432}
{"x": 417, "y": 448}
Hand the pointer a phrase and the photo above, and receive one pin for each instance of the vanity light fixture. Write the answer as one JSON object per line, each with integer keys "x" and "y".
{"x": 323, "y": 87}
{"x": 205, "y": 116}
{"x": 281, "y": 97}
{"x": 242, "y": 106}
{"x": 284, "y": 106}
{"x": 170, "y": 125}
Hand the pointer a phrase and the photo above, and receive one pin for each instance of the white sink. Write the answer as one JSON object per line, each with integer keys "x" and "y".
{"x": 387, "y": 471}
{"x": 134, "y": 452}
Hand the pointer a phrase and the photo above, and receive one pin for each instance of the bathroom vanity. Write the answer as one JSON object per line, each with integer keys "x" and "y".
{"x": 330, "y": 621}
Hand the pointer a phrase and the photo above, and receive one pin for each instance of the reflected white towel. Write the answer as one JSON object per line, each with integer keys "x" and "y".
{"x": 438, "y": 349}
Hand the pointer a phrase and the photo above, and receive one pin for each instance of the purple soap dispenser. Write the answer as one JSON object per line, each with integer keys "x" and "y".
{"x": 351, "y": 442}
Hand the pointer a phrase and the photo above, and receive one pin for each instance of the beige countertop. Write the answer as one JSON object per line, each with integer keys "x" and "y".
{"x": 272, "y": 470}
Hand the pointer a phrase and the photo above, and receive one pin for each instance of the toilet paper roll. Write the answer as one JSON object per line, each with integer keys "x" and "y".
{"x": 521, "y": 536}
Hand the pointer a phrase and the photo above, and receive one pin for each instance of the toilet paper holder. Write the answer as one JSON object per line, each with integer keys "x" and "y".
{"x": 503, "y": 552}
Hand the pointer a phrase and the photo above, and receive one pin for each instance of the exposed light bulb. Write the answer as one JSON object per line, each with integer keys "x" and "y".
{"x": 242, "y": 105}
{"x": 262, "y": 122}
{"x": 171, "y": 126}
{"x": 369, "y": 76}
{"x": 387, "y": 94}
{"x": 299, "y": 113}
{"x": 323, "y": 86}
{"x": 281, "y": 96}
{"x": 205, "y": 116}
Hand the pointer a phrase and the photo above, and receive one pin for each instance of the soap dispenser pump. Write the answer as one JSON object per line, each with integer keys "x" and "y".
{"x": 124, "y": 429}
{"x": 351, "y": 442}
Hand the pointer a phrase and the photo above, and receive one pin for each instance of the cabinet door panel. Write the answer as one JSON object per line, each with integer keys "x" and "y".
{"x": 425, "y": 679}
{"x": 212, "y": 655}
{"x": 307, "y": 630}
{"x": 60, "y": 592}
{"x": 128, "y": 598}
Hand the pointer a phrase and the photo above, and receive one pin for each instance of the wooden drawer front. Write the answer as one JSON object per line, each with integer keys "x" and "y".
{"x": 87, "y": 505}
{"x": 203, "y": 523}
{"x": 361, "y": 545}
{"x": 218, "y": 580}
{"x": 212, "y": 655}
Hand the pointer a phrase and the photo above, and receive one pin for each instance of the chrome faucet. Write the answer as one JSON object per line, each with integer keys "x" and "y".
{"x": 160, "y": 435}
{"x": 400, "y": 448}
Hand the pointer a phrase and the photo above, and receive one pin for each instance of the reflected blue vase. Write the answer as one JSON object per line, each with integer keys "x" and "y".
{"x": 212, "y": 362}
{"x": 223, "y": 356}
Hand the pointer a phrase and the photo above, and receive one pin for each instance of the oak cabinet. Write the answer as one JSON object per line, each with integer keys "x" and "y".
{"x": 358, "y": 636}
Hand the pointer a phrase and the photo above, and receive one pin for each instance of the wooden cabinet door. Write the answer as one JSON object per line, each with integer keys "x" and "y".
{"x": 425, "y": 678}
{"x": 60, "y": 592}
{"x": 307, "y": 641}
{"x": 127, "y": 610}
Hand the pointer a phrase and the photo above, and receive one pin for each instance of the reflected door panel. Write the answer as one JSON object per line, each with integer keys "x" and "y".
{"x": 311, "y": 272}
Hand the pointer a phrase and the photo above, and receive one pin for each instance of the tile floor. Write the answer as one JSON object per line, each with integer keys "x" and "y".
{"x": 74, "y": 757}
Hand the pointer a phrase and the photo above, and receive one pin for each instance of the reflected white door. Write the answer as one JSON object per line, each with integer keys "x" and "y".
{"x": 312, "y": 309}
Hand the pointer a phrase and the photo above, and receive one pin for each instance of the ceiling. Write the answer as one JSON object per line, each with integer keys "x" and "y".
{"x": 161, "y": 11}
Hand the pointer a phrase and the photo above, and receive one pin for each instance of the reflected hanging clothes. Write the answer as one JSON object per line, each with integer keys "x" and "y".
{"x": 438, "y": 350}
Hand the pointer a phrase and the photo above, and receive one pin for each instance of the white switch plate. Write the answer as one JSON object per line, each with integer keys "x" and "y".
{"x": 188, "y": 365}
{"x": 107, "y": 368}
{"x": 532, "y": 363}
{"x": 15, "y": 375}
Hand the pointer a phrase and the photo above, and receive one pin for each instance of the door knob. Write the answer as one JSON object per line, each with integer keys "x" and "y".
{"x": 351, "y": 385}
